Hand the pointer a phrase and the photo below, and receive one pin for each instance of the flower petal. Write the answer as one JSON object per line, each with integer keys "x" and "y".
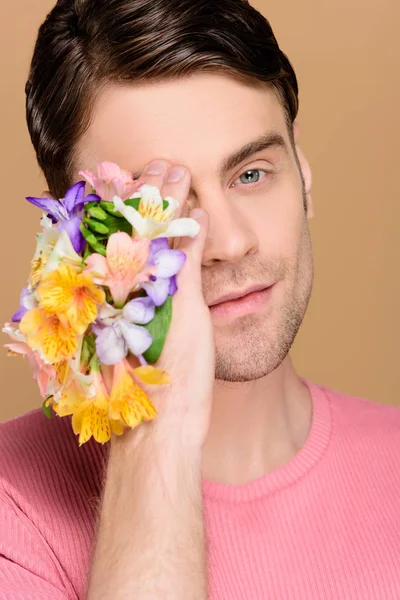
{"x": 182, "y": 227}
{"x": 72, "y": 227}
{"x": 108, "y": 312}
{"x": 19, "y": 313}
{"x": 97, "y": 266}
{"x": 53, "y": 207}
{"x": 139, "y": 311}
{"x": 85, "y": 200}
{"x": 173, "y": 286}
{"x": 149, "y": 193}
{"x": 138, "y": 339}
{"x": 131, "y": 215}
{"x": 88, "y": 175}
{"x": 110, "y": 346}
{"x": 169, "y": 262}
{"x": 128, "y": 402}
{"x": 126, "y": 256}
{"x": 171, "y": 208}
{"x": 156, "y": 245}
{"x": 151, "y": 375}
{"x": 64, "y": 252}
{"x": 108, "y": 170}
{"x": 157, "y": 290}
{"x": 74, "y": 197}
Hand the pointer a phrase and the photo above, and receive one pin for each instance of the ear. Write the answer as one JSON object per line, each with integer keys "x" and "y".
{"x": 306, "y": 171}
{"x": 46, "y": 194}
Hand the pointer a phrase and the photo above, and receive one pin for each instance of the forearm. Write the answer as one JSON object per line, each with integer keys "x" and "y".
{"x": 150, "y": 541}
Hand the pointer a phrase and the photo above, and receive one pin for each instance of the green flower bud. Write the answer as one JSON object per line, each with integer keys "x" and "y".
{"x": 96, "y": 226}
{"x": 96, "y": 212}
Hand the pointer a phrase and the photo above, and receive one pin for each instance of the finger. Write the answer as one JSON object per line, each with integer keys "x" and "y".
{"x": 154, "y": 173}
{"x": 190, "y": 274}
{"x": 176, "y": 184}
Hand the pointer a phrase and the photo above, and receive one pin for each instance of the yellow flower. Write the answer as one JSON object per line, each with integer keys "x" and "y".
{"x": 101, "y": 414}
{"x": 89, "y": 415}
{"x": 75, "y": 295}
{"x": 49, "y": 333}
{"x": 128, "y": 402}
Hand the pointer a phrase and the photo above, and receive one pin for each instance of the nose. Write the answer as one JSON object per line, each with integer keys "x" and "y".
{"x": 230, "y": 235}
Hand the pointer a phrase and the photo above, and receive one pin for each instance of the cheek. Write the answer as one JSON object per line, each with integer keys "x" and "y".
{"x": 279, "y": 220}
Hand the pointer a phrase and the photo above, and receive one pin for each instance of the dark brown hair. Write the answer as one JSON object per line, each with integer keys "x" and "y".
{"x": 85, "y": 45}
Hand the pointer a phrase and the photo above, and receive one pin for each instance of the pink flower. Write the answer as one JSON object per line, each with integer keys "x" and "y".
{"x": 111, "y": 180}
{"x": 123, "y": 268}
{"x": 42, "y": 372}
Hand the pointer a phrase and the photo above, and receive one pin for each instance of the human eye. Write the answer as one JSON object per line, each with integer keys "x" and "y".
{"x": 250, "y": 177}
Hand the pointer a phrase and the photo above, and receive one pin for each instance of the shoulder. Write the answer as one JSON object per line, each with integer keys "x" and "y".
{"x": 363, "y": 424}
{"x": 40, "y": 460}
{"x": 363, "y": 411}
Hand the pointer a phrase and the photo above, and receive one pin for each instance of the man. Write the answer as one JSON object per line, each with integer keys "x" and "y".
{"x": 251, "y": 483}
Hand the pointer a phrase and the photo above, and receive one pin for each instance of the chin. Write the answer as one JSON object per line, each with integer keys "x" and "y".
{"x": 253, "y": 348}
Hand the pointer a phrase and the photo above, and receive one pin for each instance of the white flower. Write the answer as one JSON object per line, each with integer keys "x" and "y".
{"x": 150, "y": 220}
{"x": 52, "y": 247}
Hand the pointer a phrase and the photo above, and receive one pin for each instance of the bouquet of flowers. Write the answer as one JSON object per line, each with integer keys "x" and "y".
{"x": 99, "y": 290}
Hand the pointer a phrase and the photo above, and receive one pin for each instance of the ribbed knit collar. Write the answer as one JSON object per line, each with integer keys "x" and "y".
{"x": 311, "y": 452}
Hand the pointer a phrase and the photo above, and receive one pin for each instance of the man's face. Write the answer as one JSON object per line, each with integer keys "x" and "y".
{"x": 258, "y": 225}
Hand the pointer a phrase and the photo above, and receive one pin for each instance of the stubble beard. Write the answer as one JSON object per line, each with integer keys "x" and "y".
{"x": 256, "y": 344}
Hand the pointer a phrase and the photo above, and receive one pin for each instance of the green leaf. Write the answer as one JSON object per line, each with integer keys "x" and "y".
{"x": 88, "y": 347}
{"x": 115, "y": 224}
{"x": 134, "y": 202}
{"x": 158, "y": 328}
{"x": 46, "y": 409}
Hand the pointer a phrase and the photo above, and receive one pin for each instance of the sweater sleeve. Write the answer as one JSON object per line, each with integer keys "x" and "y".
{"x": 27, "y": 569}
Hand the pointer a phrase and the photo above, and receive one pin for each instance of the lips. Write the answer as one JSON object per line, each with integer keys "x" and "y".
{"x": 234, "y": 295}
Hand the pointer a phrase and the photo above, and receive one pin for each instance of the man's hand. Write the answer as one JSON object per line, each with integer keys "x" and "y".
{"x": 150, "y": 541}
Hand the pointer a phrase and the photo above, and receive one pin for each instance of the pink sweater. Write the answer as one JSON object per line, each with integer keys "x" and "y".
{"x": 326, "y": 526}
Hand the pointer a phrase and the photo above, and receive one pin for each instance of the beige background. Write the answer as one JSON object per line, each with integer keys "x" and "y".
{"x": 347, "y": 59}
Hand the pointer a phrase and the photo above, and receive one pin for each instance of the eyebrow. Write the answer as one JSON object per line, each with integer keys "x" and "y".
{"x": 271, "y": 139}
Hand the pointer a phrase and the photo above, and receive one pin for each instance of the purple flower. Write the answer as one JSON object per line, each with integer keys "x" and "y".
{"x": 168, "y": 263}
{"x": 68, "y": 211}
{"x": 26, "y": 301}
{"x": 119, "y": 330}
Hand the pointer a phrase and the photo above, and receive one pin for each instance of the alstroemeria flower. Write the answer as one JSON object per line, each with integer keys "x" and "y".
{"x": 111, "y": 180}
{"x": 123, "y": 268}
{"x": 150, "y": 220}
{"x": 90, "y": 415}
{"x": 67, "y": 212}
{"x": 168, "y": 263}
{"x": 71, "y": 379}
{"x": 46, "y": 242}
{"x": 50, "y": 334}
{"x": 74, "y": 295}
{"x": 119, "y": 330}
{"x": 43, "y": 372}
{"x": 52, "y": 249}
{"x": 128, "y": 402}
{"x": 27, "y": 301}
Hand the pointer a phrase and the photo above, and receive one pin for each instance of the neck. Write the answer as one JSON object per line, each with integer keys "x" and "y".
{"x": 256, "y": 426}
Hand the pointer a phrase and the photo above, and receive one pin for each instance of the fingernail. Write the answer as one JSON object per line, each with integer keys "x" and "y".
{"x": 175, "y": 174}
{"x": 196, "y": 213}
{"x": 156, "y": 167}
